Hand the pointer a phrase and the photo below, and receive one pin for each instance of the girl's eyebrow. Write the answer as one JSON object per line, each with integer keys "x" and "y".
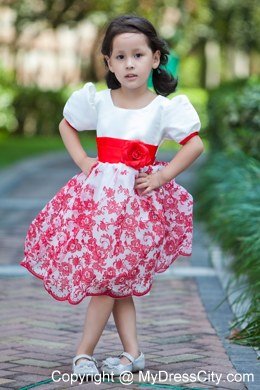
{"x": 122, "y": 51}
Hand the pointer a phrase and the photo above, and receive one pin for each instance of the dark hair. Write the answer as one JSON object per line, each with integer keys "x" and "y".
{"x": 164, "y": 83}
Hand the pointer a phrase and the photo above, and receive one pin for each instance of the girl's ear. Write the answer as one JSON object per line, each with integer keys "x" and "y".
{"x": 156, "y": 59}
{"x": 108, "y": 63}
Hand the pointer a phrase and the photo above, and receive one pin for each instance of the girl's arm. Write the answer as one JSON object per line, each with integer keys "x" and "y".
{"x": 182, "y": 160}
{"x": 71, "y": 140}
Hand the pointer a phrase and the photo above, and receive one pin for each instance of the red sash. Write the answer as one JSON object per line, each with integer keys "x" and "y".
{"x": 134, "y": 153}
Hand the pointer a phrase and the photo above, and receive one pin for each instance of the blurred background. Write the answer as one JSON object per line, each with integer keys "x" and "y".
{"x": 50, "y": 48}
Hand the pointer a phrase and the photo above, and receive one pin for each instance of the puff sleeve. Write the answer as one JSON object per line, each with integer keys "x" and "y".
{"x": 180, "y": 120}
{"x": 80, "y": 110}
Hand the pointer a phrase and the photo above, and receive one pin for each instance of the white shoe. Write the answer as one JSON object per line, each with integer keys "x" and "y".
{"x": 87, "y": 367}
{"x": 112, "y": 365}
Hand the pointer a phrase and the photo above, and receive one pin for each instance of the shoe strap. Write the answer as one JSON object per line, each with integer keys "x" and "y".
{"x": 130, "y": 357}
{"x": 83, "y": 355}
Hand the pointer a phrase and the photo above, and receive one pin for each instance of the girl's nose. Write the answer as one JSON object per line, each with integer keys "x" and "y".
{"x": 129, "y": 63}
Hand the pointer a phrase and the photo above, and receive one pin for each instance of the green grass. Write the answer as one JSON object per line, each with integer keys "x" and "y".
{"x": 17, "y": 148}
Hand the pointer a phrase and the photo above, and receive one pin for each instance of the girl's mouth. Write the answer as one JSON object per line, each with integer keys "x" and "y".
{"x": 131, "y": 76}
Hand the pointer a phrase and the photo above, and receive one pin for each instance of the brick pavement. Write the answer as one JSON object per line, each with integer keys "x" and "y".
{"x": 39, "y": 334}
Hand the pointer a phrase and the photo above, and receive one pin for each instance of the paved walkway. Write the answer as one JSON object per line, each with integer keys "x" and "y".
{"x": 180, "y": 329}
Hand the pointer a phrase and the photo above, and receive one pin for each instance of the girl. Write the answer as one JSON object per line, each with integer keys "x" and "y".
{"x": 123, "y": 218}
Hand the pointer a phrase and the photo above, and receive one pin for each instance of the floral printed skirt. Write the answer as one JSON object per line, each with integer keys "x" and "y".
{"x": 98, "y": 236}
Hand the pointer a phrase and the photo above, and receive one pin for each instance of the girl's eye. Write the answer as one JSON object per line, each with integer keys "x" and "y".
{"x": 121, "y": 56}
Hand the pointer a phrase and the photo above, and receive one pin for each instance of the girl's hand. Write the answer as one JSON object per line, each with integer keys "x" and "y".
{"x": 87, "y": 163}
{"x": 145, "y": 183}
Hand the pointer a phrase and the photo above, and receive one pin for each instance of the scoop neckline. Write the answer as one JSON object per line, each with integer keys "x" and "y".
{"x": 129, "y": 109}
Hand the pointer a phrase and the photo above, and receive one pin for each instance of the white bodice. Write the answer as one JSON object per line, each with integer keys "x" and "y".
{"x": 88, "y": 109}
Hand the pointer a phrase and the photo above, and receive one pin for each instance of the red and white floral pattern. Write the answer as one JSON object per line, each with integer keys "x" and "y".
{"x": 98, "y": 236}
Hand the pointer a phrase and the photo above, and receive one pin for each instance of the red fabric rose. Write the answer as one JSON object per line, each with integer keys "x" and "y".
{"x": 136, "y": 154}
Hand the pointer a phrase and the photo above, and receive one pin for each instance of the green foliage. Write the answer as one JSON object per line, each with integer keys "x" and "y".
{"x": 234, "y": 116}
{"x": 228, "y": 194}
{"x": 54, "y": 13}
{"x": 190, "y": 70}
{"x": 8, "y": 122}
{"x": 236, "y": 23}
{"x": 29, "y": 110}
{"x": 37, "y": 111}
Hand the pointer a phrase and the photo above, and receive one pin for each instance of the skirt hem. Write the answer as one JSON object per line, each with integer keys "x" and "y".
{"x": 160, "y": 270}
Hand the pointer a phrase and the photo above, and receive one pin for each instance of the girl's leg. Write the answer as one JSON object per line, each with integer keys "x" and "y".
{"x": 98, "y": 312}
{"x": 125, "y": 319}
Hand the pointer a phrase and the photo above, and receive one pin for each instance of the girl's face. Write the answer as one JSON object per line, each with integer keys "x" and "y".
{"x": 132, "y": 59}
